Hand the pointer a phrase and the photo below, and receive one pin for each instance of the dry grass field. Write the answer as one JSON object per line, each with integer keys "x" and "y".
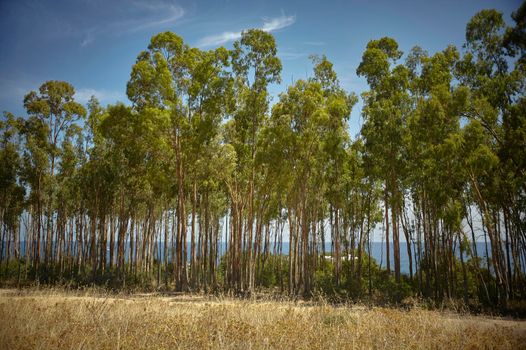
{"x": 65, "y": 320}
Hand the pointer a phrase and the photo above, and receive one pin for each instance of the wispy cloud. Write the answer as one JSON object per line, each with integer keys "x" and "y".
{"x": 290, "y": 54}
{"x": 269, "y": 25}
{"x": 272, "y": 24}
{"x": 88, "y": 39}
{"x": 12, "y": 92}
{"x": 134, "y": 17}
{"x": 83, "y": 95}
{"x": 314, "y": 43}
{"x": 18, "y": 88}
{"x": 219, "y": 39}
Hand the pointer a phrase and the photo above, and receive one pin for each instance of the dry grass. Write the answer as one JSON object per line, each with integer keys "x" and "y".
{"x": 59, "y": 320}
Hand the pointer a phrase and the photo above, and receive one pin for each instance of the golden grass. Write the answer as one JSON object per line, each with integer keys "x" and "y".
{"x": 60, "y": 320}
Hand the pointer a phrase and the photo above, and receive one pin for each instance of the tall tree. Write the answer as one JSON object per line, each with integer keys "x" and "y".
{"x": 386, "y": 108}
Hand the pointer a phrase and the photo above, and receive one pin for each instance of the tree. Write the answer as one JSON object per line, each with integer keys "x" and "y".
{"x": 255, "y": 65}
{"x": 386, "y": 108}
{"x": 53, "y": 112}
{"x": 12, "y": 191}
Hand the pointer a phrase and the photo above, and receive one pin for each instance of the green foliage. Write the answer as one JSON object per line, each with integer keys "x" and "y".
{"x": 440, "y": 159}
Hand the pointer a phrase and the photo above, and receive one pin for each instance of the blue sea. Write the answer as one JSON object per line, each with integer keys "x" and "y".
{"x": 378, "y": 250}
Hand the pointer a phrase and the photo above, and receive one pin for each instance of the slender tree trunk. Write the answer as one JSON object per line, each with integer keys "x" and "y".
{"x": 387, "y": 248}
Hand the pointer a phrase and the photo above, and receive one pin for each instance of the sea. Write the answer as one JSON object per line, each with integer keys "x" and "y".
{"x": 378, "y": 250}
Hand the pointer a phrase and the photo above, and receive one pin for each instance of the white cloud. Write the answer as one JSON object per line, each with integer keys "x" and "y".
{"x": 269, "y": 25}
{"x": 14, "y": 89}
{"x": 104, "y": 96}
{"x": 161, "y": 14}
{"x": 17, "y": 89}
{"x": 314, "y": 43}
{"x": 290, "y": 54}
{"x": 219, "y": 39}
{"x": 88, "y": 39}
{"x": 272, "y": 24}
{"x": 12, "y": 94}
{"x": 134, "y": 17}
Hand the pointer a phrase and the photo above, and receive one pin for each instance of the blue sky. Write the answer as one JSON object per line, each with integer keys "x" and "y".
{"x": 93, "y": 43}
